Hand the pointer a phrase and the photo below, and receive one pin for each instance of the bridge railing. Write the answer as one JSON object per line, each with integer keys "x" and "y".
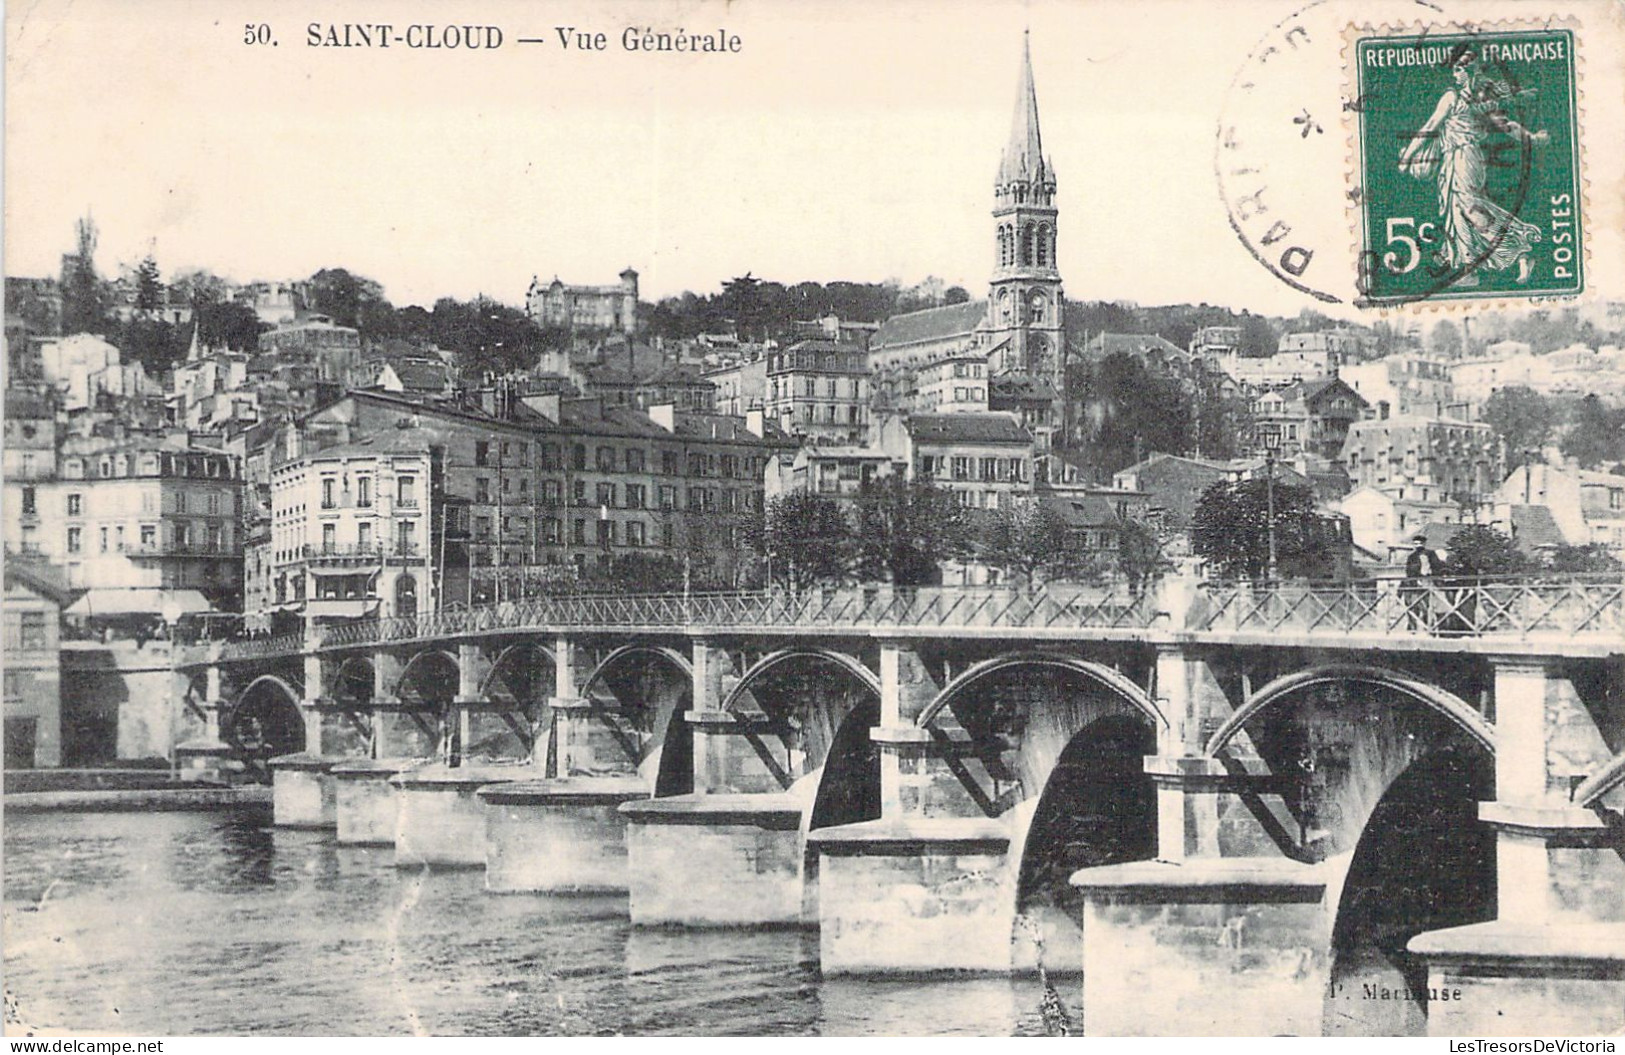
{"x": 1577, "y": 606}
{"x": 258, "y": 647}
{"x": 917, "y": 607}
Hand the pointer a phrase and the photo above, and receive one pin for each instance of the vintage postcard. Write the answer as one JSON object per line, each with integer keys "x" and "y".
{"x": 685, "y": 517}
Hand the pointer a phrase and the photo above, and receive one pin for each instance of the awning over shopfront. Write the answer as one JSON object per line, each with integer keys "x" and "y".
{"x": 169, "y": 605}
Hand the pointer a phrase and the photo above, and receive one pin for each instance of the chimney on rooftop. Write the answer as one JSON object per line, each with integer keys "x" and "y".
{"x": 755, "y": 423}
{"x": 664, "y": 415}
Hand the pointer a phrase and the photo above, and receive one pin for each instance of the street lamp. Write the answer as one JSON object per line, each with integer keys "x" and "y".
{"x": 1271, "y": 435}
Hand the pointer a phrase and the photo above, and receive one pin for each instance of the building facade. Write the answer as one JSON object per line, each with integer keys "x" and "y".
{"x": 128, "y": 517}
{"x": 585, "y": 308}
{"x": 34, "y": 599}
{"x": 985, "y": 459}
{"x": 1452, "y": 461}
{"x": 819, "y": 390}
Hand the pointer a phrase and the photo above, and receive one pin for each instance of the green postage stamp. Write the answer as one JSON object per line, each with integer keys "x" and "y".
{"x": 1469, "y": 165}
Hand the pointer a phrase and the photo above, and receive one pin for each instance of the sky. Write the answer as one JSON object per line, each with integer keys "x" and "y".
{"x": 844, "y": 140}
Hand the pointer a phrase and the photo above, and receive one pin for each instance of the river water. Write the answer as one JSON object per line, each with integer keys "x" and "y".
{"x": 180, "y": 924}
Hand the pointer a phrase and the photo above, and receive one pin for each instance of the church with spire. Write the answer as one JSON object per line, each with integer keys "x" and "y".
{"x": 1007, "y": 348}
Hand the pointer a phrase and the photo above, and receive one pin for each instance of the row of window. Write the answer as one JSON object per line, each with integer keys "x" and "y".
{"x": 334, "y": 496}
{"x": 829, "y": 415}
{"x": 1001, "y": 470}
{"x": 207, "y": 538}
{"x": 213, "y": 504}
{"x": 785, "y": 387}
{"x": 635, "y": 460}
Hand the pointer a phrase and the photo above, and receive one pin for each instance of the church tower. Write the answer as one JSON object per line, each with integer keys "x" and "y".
{"x": 1025, "y": 298}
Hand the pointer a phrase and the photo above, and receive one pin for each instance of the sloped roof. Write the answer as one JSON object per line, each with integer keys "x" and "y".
{"x": 1534, "y": 527}
{"x": 420, "y": 377}
{"x": 967, "y": 428}
{"x": 1082, "y": 511}
{"x": 40, "y": 577}
{"x": 1105, "y": 344}
{"x": 932, "y": 324}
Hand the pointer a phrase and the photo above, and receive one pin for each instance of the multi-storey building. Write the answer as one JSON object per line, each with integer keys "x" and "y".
{"x": 819, "y": 390}
{"x": 30, "y": 434}
{"x": 839, "y": 473}
{"x": 954, "y": 384}
{"x": 332, "y": 351}
{"x": 585, "y": 307}
{"x": 740, "y": 387}
{"x": 986, "y": 459}
{"x": 354, "y": 526}
{"x": 34, "y": 599}
{"x": 127, "y": 518}
{"x": 1408, "y": 383}
{"x": 1312, "y": 417}
{"x": 1458, "y": 461}
{"x": 542, "y": 482}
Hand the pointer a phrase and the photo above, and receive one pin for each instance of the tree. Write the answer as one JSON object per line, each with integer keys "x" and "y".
{"x": 1258, "y": 338}
{"x": 1141, "y": 555}
{"x": 351, "y": 300}
{"x": 228, "y": 325}
{"x": 1596, "y": 433}
{"x": 806, "y": 540}
{"x": 1521, "y": 416}
{"x": 956, "y": 295}
{"x": 1591, "y": 559}
{"x": 1029, "y": 538}
{"x": 84, "y": 307}
{"x": 1231, "y": 530}
{"x": 199, "y": 288}
{"x": 906, "y": 529}
{"x": 1480, "y": 550}
{"x": 149, "y": 285}
{"x": 1445, "y": 339}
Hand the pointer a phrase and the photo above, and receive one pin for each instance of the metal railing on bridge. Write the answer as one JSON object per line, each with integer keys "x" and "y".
{"x": 1587, "y": 609}
{"x": 1583, "y": 607}
{"x": 915, "y": 608}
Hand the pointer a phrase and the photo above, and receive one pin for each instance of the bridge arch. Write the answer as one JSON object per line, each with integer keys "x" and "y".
{"x": 659, "y": 746}
{"x": 850, "y": 664}
{"x": 1113, "y": 680}
{"x": 823, "y": 735}
{"x": 354, "y": 674}
{"x": 421, "y": 662}
{"x": 266, "y": 719}
{"x": 505, "y": 659}
{"x": 1451, "y": 706}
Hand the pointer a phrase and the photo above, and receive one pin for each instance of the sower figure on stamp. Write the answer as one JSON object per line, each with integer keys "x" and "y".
{"x": 1478, "y": 233}
{"x": 1420, "y": 567}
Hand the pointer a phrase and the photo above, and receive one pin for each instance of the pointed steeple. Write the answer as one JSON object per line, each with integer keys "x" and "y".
{"x": 1024, "y": 155}
{"x": 194, "y": 353}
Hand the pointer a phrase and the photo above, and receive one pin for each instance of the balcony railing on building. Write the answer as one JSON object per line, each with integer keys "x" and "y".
{"x": 357, "y": 553}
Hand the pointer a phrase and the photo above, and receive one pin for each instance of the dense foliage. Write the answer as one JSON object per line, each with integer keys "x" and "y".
{"x": 1231, "y": 530}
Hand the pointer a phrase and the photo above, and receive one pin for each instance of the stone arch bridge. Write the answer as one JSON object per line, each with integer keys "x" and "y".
{"x": 1251, "y": 788}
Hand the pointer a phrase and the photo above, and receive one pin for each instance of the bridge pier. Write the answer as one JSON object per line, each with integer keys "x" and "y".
{"x": 558, "y": 829}
{"x": 1553, "y": 961}
{"x": 366, "y": 803}
{"x": 302, "y": 790}
{"x": 1231, "y": 936}
{"x": 929, "y": 886}
{"x": 730, "y": 853}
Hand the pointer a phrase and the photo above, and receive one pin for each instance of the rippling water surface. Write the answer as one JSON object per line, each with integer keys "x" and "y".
{"x": 179, "y": 924}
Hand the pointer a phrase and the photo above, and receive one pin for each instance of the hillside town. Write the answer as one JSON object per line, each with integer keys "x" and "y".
{"x": 192, "y": 456}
